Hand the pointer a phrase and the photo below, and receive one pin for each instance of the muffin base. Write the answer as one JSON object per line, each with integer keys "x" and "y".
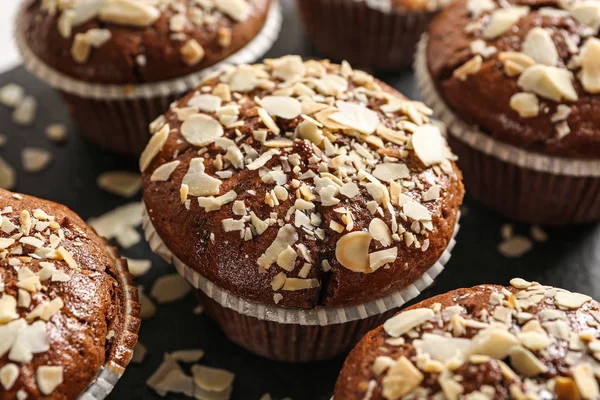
{"x": 116, "y": 117}
{"x": 361, "y": 35}
{"x": 288, "y": 334}
{"x": 535, "y": 188}
{"x": 125, "y": 340}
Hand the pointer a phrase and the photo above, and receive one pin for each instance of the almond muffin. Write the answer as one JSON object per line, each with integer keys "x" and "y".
{"x": 120, "y": 63}
{"x": 527, "y": 341}
{"x": 517, "y": 84}
{"x": 67, "y": 301}
{"x": 375, "y": 34}
{"x": 300, "y": 193}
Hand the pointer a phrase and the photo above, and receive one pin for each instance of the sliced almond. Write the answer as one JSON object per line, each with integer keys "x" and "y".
{"x": 470, "y": 67}
{"x": 540, "y": 47}
{"x": 282, "y": 106}
{"x": 493, "y": 342}
{"x": 380, "y": 258}
{"x": 388, "y": 172}
{"x": 526, "y": 104}
{"x": 380, "y": 232}
{"x": 352, "y": 251}
{"x": 201, "y": 129}
{"x": 402, "y": 378}
{"x": 35, "y": 159}
{"x": 502, "y": 19}
{"x": 429, "y": 144}
{"x": 572, "y": 301}
{"x": 406, "y": 321}
{"x": 170, "y": 288}
{"x": 199, "y": 182}
{"x": 8, "y": 375}
{"x": 122, "y": 183}
{"x": 239, "y": 10}
{"x": 134, "y": 13}
{"x": 356, "y": 116}
{"x": 586, "y": 381}
{"x": 155, "y": 145}
{"x": 550, "y": 82}
{"x": 164, "y": 172}
{"x": 192, "y": 52}
{"x": 49, "y": 378}
{"x": 590, "y": 65}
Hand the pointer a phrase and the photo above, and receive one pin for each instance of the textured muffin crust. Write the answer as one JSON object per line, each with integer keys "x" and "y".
{"x": 527, "y": 341}
{"x": 524, "y": 71}
{"x": 61, "y": 308}
{"x": 297, "y": 183}
{"x": 138, "y": 41}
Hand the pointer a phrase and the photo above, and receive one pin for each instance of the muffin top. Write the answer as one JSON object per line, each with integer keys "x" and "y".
{"x": 61, "y": 307}
{"x": 301, "y": 183}
{"x": 138, "y": 41}
{"x": 527, "y": 341}
{"x": 525, "y": 71}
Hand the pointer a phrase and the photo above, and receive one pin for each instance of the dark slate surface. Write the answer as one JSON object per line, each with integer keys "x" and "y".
{"x": 570, "y": 259}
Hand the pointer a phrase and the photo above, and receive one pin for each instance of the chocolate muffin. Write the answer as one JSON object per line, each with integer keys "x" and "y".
{"x": 69, "y": 314}
{"x": 295, "y": 193}
{"x": 517, "y": 84}
{"x": 120, "y": 63}
{"x": 527, "y": 341}
{"x": 376, "y": 34}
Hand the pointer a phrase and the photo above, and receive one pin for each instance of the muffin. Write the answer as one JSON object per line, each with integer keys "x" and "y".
{"x": 304, "y": 199}
{"x": 375, "y": 34}
{"x": 118, "y": 64}
{"x": 517, "y": 84}
{"x": 69, "y": 314}
{"x": 526, "y": 341}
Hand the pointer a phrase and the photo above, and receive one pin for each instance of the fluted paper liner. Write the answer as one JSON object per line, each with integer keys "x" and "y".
{"x": 474, "y": 138}
{"x": 253, "y": 51}
{"x": 125, "y": 341}
{"x": 320, "y": 316}
{"x": 370, "y": 33}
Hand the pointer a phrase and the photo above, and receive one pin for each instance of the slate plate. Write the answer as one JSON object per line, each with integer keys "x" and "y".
{"x": 570, "y": 259}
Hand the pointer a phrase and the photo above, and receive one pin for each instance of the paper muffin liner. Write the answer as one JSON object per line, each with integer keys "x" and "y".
{"x": 364, "y": 33}
{"x": 116, "y": 117}
{"x": 125, "y": 341}
{"x": 294, "y": 334}
{"x": 534, "y": 188}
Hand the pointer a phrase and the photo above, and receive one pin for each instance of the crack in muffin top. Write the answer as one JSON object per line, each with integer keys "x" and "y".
{"x": 526, "y": 72}
{"x": 301, "y": 183}
{"x": 131, "y": 41}
{"x": 527, "y": 341}
{"x": 60, "y": 306}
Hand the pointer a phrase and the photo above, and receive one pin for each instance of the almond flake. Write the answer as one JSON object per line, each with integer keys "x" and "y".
{"x": 122, "y": 183}
{"x": 287, "y": 236}
{"x": 572, "y": 301}
{"x": 501, "y": 20}
{"x": 388, "y": 172}
{"x": 380, "y": 258}
{"x": 11, "y": 95}
{"x": 471, "y": 67}
{"x": 138, "y": 268}
{"x": 49, "y": 378}
{"x": 164, "y": 172}
{"x": 402, "y": 378}
{"x": 428, "y": 144}
{"x": 170, "y": 288}
{"x": 441, "y": 348}
{"x": 515, "y": 63}
{"x": 148, "y": 309}
{"x": 586, "y": 381}
{"x": 155, "y": 145}
{"x": 590, "y": 65}
{"x": 25, "y": 112}
{"x": 282, "y": 106}
{"x": 515, "y": 246}
{"x": 201, "y": 129}
{"x": 8, "y": 178}
{"x": 380, "y": 232}
{"x": 139, "y": 14}
{"x": 526, "y": 363}
{"x": 540, "y": 47}
{"x": 35, "y": 159}
{"x": 549, "y": 82}
{"x": 588, "y": 13}
{"x": 294, "y": 284}
{"x": 526, "y": 104}
{"x": 198, "y": 181}
{"x": 56, "y": 133}
{"x": 356, "y": 116}
{"x": 239, "y": 10}
{"x": 352, "y": 251}
{"x": 8, "y": 375}
{"x": 406, "y": 321}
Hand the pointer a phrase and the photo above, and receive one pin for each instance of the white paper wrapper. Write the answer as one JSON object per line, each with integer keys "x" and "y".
{"x": 249, "y": 54}
{"x": 320, "y": 316}
{"x": 115, "y": 366}
{"x": 473, "y": 137}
